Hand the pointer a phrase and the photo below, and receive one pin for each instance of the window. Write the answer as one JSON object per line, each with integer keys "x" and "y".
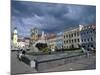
{"x": 78, "y": 40}
{"x": 91, "y": 39}
{"x": 67, "y": 46}
{"x": 64, "y": 42}
{"x": 91, "y": 45}
{"x": 88, "y": 45}
{"x": 84, "y": 33}
{"x": 69, "y": 41}
{"x": 64, "y": 36}
{"x": 87, "y": 32}
{"x": 84, "y": 40}
{"x": 72, "y": 40}
{"x": 75, "y": 40}
{"x": 77, "y": 33}
{"x": 93, "y": 30}
{"x": 69, "y": 35}
{"x": 72, "y": 35}
{"x": 88, "y": 39}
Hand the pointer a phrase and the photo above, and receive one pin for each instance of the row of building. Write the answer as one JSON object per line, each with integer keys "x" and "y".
{"x": 74, "y": 37}
{"x": 80, "y": 36}
{"x": 19, "y": 42}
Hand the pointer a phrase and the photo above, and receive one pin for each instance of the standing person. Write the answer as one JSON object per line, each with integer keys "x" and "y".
{"x": 85, "y": 51}
{"x": 92, "y": 50}
{"x": 23, "y": 51}
{"x": 19, "y": 55}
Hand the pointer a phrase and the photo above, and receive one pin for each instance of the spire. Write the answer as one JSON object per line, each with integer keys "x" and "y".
{"x": 15, "y": 30}
{"x": 42, "y": 37}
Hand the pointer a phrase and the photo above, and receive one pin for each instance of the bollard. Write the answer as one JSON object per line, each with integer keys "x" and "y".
{"x": 32, "y": 64}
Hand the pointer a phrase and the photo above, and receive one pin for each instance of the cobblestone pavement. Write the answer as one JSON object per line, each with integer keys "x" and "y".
{"x": 81, "y": 64}
{"x": 18, "y": 67}
{"x": 84, "y": 63}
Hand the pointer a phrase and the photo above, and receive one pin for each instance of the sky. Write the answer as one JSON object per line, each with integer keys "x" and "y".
{"x": 49, "y": 17}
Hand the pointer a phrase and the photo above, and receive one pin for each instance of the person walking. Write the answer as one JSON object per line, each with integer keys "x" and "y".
{"x": 19, "y": 55}
{"x": 85, "y": 51}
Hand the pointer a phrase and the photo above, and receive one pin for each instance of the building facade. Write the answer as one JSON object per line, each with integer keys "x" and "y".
{"x": 51, "y": 41}
{"x": 59, "y": 41}
{"x": 27, "y": 41}
{"x": 88, "y": 36}
{"x": 71, "y": 38}
{"x": 21, "y": 43}
{"x": 84, "y": 35}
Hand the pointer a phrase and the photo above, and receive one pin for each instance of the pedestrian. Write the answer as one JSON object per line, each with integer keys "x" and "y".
{"x": 92, "y": 50}
{"x": 23, "y": 52}
{"x": 19, "y": 55}
{"x": 85, "y": 51}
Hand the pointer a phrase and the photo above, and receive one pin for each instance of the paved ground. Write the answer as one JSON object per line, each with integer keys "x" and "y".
{"x": 41, "y": 58}
{"x": 82, "y": 64}
{"x": 18, "y": 67}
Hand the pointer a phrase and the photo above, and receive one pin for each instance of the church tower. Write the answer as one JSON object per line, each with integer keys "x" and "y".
{"x": 15, "y": 37}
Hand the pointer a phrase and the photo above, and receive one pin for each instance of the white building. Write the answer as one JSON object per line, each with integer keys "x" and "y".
{"x": 21, "y": 44}
{"x": 51, "y": 41}
{"x": 71, "y": 38}
{"x": 84, "y": 35}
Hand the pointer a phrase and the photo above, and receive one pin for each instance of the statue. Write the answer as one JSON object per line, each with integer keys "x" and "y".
{"x": 41, "y": 40}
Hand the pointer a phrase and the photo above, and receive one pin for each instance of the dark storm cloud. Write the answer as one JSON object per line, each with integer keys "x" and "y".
{"x": 49, "y": 17}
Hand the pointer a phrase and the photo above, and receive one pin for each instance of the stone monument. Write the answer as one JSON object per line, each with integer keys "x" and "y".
{"x": 41, "y": 40}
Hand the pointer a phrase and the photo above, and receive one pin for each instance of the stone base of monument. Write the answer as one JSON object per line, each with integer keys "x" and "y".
{"x": 27, "y": 60}
{"x": 52, "y": 62}
{"x": 43, "y": 62}
{"x": 32, "y": 64}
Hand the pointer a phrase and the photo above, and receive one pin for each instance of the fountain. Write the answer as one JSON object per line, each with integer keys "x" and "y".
{"x": 41, "y": 40}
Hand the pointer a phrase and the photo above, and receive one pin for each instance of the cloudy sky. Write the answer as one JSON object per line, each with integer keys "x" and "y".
{"x": 49, "y": 17}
